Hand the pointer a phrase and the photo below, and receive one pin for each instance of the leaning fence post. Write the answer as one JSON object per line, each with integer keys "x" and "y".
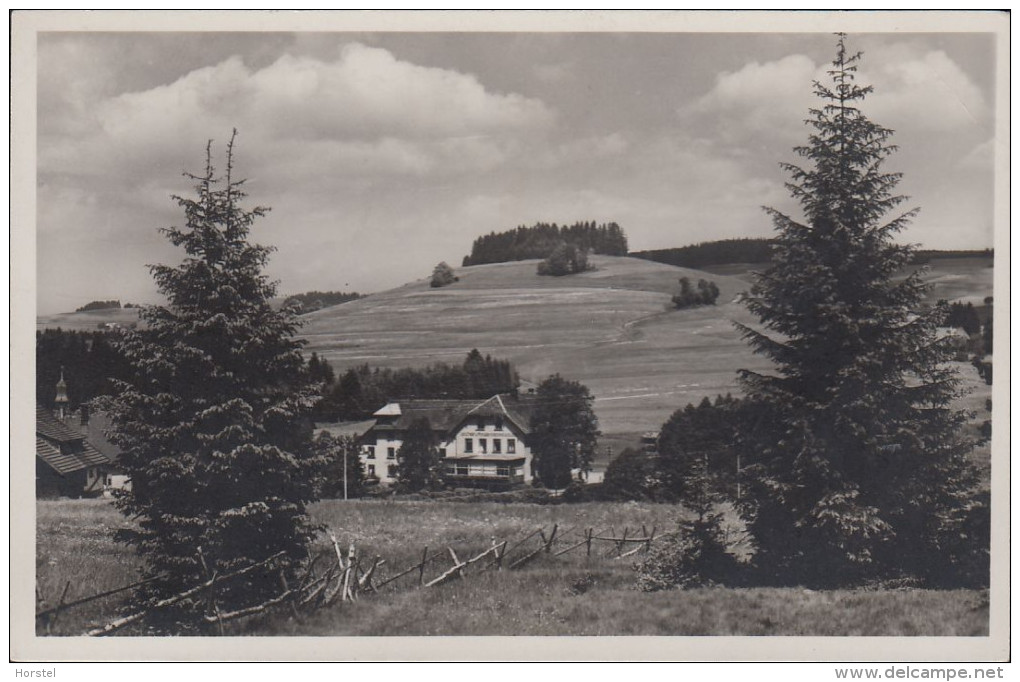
{"x": 348, "y": 594}
{"x": 456, "y": 562}
{"x": 552, "y": 537}
{"x": 421, "y": 566}
{"x": 52, "y": 620}
{"x": 500, "y": 553}
{"x": 587, "y": 538}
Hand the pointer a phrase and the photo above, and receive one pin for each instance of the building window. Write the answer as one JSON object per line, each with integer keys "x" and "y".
{"x": 499, "y": 423}
{"x": 511, "y": 445}
{"x": 483, "y": 445}
{"x": 371, "y": 470}
{"x": 502, "y": 470}
{"x": 391, "y": 453}
{"x": 370, "y": 451}
{"x": 462, "y": 469}
{"x": 497, "y": 446}
{"x": 469, "y": 445}
{"x": 391, "y": 471}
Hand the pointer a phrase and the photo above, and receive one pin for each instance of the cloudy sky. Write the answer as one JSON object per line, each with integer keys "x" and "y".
{"x": 384, "y": 153}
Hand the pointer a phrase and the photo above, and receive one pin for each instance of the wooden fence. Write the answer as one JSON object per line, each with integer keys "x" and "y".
{"x": 335, "y": 576}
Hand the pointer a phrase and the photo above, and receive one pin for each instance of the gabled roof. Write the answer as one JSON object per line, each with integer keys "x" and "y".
{"x": 516, "y": 410}
{"x": 68, "y": 460}
{"x": 52, "y": 428}
{"x": 447, "y": 415}
{"x": 64, "y": 449}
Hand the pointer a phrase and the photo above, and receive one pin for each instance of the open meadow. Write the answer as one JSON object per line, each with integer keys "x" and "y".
{"x": 570, "y": 594}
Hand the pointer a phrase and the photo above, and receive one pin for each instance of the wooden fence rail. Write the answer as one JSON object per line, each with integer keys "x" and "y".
{"x": 344, "y": 578}
{"x": 170, "y": 601}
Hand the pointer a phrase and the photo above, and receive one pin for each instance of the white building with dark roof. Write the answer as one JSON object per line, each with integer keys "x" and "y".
{"x": 483, "y": 443}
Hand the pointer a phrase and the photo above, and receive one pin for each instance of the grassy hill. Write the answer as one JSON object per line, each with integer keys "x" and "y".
{"x": 613, "y": 328}
{"x": 89, "y": 320}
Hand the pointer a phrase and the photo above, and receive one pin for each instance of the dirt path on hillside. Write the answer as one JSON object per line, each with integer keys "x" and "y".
{"x": 629, "y": 332}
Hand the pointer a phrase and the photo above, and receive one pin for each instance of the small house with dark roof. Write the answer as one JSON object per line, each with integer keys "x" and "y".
{"x": 66, "y": 464}
{"x": 483, "y": 443}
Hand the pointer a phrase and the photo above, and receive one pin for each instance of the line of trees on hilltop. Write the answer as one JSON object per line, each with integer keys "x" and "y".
{"x": 722, "y": 252}
{"x": 541, "y": 239}
{"x": 362, "y": 390}
{"x": 759, "y": 250}
{"x": 99, "y": 305}
{"x": 923, "y": 256}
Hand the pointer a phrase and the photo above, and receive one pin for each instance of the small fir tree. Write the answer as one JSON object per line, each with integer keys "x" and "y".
{"x": 858, "y": 464}
{"x": 213, "y": 423}
{"x": 698, "y": 554}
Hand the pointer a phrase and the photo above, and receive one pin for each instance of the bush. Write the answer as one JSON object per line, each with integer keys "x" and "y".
{"x": 566, "y": 259}
{"x": 443, "y": 275}
{"x": 695, "y": 557}
{"x": 578, "y": 491}
{"x": 706, "y": 294}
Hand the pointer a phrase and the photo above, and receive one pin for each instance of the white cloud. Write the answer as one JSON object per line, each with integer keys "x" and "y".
{"x": 365, "y": 110}
{"x": 929, "y": 92}
{"x": 771, "y": 97}
{"x": 926, "y": 92}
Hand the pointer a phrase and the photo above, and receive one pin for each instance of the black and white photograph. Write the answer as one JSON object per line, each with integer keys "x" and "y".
{"x": 537, "y": 328}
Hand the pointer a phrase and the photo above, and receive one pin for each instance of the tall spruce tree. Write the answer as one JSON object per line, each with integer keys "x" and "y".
{"x": 212, "y": 424}
{"x": 857, "y": 464}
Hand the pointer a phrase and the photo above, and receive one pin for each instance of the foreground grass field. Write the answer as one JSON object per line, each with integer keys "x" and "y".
{"x": 567, "y": 595}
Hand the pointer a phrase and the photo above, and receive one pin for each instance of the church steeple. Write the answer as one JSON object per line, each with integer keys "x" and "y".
{"x": 62, "y": 403}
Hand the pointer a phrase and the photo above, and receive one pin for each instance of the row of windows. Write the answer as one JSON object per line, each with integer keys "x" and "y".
{"x": 454, "y": 469}
{"x": 497, "y": 445}
{"x": 391, "y": 470}
{"x": 462, "y": 469}
{"x": 391, "y": 453}
{"x": 469, "y": 447}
